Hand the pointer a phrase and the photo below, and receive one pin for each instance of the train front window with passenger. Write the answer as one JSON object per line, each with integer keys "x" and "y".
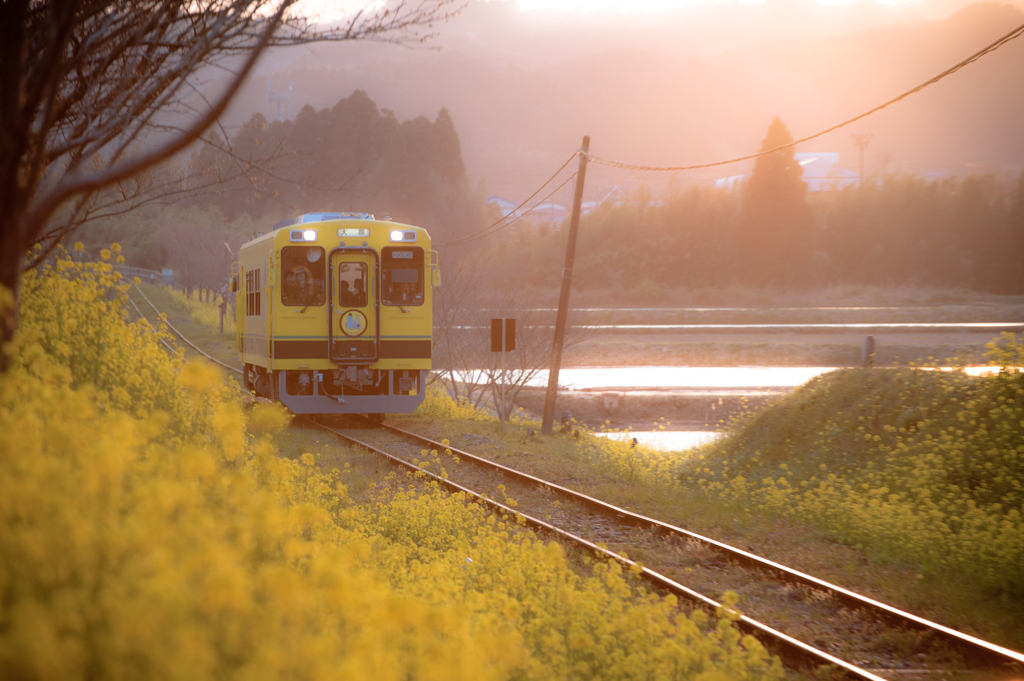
{"x": 352, "y": 284}
{"x": 303, "y": 276}
{"x": 402, "y": 276}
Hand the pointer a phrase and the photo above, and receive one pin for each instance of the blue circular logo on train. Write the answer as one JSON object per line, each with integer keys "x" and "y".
{"x": 353, "y": 323}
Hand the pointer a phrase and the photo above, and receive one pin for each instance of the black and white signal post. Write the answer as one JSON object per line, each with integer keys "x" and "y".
{"x": 503, "y": 339}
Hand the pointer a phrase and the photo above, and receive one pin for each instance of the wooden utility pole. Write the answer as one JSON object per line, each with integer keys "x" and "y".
{"x": 563, "y": 300}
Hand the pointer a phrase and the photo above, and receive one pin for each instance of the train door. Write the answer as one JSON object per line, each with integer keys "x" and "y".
{"x": 355, "y": 312}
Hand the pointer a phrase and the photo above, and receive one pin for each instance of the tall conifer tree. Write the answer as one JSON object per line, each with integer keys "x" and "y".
{"x": 776, "y": 225}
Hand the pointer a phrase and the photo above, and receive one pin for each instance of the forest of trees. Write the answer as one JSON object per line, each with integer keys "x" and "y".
{"x": 352, "y": 157}
{"x": 894, "y": 230}
{"x": 898, "y": 230}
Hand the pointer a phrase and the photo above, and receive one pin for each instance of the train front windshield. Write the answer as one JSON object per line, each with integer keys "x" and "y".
{"x": 304, "y": 276}
{"x": 402, "y": 276}
{"x": 352, "y": 284}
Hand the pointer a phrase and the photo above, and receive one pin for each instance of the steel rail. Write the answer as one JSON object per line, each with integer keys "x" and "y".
{"x": 989, "y": 651}
{"x": 793, "y": 651}
{"x": 174, "y": 350}
{"x": 159, "y": 337}
{"x": 179, "y": 334}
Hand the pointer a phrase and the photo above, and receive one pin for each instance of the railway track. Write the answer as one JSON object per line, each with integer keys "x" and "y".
{"x": 589, "y": 523}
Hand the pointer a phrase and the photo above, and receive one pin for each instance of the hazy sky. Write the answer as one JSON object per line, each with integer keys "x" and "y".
{"x": 648, "y": 6}
{"x": 594, "y": 5}
{"x": 693, "y": 83}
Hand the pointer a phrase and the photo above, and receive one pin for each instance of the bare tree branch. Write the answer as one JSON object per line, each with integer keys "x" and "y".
{"x": 463, "y": 308}
{"x": 78, "y": 182}
{"x": 88, "y": 87}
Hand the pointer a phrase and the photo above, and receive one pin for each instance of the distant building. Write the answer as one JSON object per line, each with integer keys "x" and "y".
{"x": 821, "y": 170}
{"x": 550, "y": 211}
{"x": 504, "y": 206}
{"x": 729, "y": 182}
{"x": 612, "y": 195}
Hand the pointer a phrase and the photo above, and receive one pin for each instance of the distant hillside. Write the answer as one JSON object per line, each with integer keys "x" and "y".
{"x": 690, "y": 87}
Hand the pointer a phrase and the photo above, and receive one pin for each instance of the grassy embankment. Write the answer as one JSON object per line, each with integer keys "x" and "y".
{"x": 199, "y": 321}
{"x": 151, "y": 530}
{"x": 902, "y": 483}
{"x": 922, "y": 468}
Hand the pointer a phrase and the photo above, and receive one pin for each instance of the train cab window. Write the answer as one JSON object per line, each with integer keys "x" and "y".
{"x": 303, "y": 275}
{"x": 401, "y": 274}
{"x": 253, "y": 282}
{"x": 352, "y": 284}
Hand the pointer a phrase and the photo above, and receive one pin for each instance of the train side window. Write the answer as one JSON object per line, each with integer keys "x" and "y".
{"x": 352, "y": 284}
{"x": 401, "y": 274}
{"x": 252, "y": 293}
{"x": 304, "y": 278}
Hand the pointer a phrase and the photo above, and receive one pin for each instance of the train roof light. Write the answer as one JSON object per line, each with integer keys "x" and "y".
{"x": 321, "y": 217}
{"x": 317, "y": 217}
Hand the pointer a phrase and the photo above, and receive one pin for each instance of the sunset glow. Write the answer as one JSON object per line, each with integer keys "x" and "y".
{"x": 598, "y": 5}
{"x": 644, "y": 6}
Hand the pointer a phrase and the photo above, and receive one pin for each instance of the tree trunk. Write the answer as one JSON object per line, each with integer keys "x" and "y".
{"x": 11, "y": 253}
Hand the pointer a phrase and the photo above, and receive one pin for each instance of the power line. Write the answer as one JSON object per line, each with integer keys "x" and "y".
{"x": 1015, "y": 33}
{"x": 518, "y": 218}
{"x": 497, "y": 225}
{"x": 486, "y": 230}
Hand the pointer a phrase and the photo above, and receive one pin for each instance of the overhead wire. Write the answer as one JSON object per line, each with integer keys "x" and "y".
{"x": 498, "y": 225}
{"x": 1015, "y": 33}
{"x": 486, "y": 230}
{"x": 519, "y": 217}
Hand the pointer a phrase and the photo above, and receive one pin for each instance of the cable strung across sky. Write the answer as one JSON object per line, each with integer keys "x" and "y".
{"x": 501, "y": 223}
{"x": 523, "y": 214}
{"x": 1015, "y": 33}
{"x": 487, "y": 230}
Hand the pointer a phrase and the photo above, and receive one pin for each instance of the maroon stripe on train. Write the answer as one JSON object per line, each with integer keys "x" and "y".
{"x": 405, "y": 349}
{"x": 305, "y": 349}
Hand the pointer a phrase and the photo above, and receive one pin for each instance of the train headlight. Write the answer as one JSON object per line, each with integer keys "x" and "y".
{"x": 405, "y": 235}
{"x": 302, "y": 235}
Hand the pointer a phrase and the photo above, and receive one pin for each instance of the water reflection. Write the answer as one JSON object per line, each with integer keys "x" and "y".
{"x": 671, "y": 377}
{"x": 745, "y": 380}
{"x": 696, "y": 379}
{"x": 848, "y": 308}
{"x": 986, "y": 326}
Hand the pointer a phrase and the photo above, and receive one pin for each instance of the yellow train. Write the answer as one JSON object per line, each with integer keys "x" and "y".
{"x": 335, "y": 314}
